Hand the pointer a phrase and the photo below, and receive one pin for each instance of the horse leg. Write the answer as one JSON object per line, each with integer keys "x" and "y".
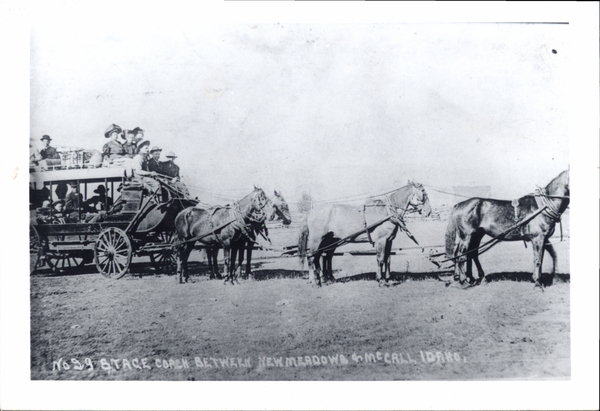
{"x": 234, "y": 267}
{"x": 538, "y": 259}
{"x": 248, "y": 260}
{"x": 380, "y": 247}
{"x": 209, "y": 260}
{"x": 475, "y": 241}
{"x": 186, "y": 256}
{"x": 215, "y": 261}
{"x": 314, "y": 269}
{"x": 227, "y": 262}
{"x": 387, "y": 259}
{"x": 180, "y": 253}
{"x": 550, "y": 248}
{"x": 459, "y": 264}
{"x": 328, "y": 266}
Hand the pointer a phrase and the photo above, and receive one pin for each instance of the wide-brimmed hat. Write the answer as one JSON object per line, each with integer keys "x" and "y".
{"x": 137, "y": 130}
{"x": 171, "y": 154}
{"x": 143, "y": 143}
{"x": 45, "y": 137}
{"x": 54, "y": 204}
{"x": 100, "y": 190}
{"x": 73, "y": 183}
{"x": 153, "y": 149}
{"x": 111, "y": 129}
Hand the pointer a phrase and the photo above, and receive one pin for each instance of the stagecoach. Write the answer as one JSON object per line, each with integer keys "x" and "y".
{"x": 132, "y": 222}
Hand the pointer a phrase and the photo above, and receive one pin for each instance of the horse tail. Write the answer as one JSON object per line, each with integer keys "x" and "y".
{"x": 451, "y": 234}
{"x": 303, "y": 243}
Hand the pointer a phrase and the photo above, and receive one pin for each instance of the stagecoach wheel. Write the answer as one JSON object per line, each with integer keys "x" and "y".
{"x": 63, "y": 262}
{"x": 35, "y": 249}
{"x": 112, "y": 253}
{"x": 165, "y": 260}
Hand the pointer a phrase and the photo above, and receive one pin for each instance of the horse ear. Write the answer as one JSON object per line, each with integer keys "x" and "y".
{"x": 276, "y": 193}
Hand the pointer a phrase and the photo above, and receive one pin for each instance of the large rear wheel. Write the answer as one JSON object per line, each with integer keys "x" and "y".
{"x": 112, "y": 253}
{"x": 165, "y": 260}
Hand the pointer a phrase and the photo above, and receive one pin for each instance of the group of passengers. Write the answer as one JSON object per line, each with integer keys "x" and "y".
{"x": 143, "y": 166}
{"x": 70, "y": 206}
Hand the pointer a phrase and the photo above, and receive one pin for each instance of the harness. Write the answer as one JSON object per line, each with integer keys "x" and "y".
{"x": 254, "y": 216}
{"x": 543, "y": 200}
{"x": 392, "y": 215}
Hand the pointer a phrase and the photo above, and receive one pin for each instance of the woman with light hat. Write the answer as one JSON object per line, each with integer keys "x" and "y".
{"x": 139, "y": 168}
{"x": 113, "y": 149}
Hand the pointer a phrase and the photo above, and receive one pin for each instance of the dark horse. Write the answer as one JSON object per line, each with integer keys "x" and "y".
{"x": 281, "y": 212}
{"x": 228, "y": 227}
{"x": 330, "y": 226}
{"x": 472, "y": 219}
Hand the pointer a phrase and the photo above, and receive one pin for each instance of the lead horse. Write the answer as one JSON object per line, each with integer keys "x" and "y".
{"x": 330, "y": 226}
{"x": 472, "y": 219}
{"x": 227, "y": 227}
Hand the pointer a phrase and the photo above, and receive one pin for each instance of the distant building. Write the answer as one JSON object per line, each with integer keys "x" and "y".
{"x": 463, "y": 192}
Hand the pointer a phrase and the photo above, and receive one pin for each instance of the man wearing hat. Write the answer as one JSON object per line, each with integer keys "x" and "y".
{"x": 113, "y": 149}
{"x": 48, "y": 152}
{"x": 169, "y": 168}
{"x": 139, "y": 168}
{"x": 153, "y": 163}
{"x": 98, "y": 202}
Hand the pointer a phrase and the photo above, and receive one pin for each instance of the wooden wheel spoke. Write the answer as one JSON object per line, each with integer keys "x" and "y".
{"x": 113, "y": 253}
{"x": 103, "y": 262}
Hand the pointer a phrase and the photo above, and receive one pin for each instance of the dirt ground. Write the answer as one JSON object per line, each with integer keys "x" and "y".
{"x": 276, "y": 326}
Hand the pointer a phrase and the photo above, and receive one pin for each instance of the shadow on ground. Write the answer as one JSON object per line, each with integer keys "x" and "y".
{"x": 200, "y": 269}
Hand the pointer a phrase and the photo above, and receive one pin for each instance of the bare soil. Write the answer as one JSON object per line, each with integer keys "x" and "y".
{"x": 276, "y": 326}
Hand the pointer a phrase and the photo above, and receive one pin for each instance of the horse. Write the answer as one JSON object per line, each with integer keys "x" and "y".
{"x": 228, "y": 227}
{"x": 281, "y": 212}
{"x": 472, "y": 219}
{"x": 328, "y": 226}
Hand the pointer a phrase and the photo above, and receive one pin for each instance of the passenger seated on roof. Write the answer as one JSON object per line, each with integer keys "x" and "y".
{"x": 48, "y": 152}
{"x": 170, "y": 169}
{"x": 98, "y": 202}
{"x": 130, "y": 144}
{"x": 113, "y": 149}
{"x": 139, "y": 169}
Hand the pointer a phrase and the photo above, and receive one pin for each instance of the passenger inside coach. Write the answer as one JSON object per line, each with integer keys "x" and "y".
{"x": 98, "y": 202}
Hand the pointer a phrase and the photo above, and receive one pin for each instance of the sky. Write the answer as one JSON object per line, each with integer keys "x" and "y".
{"x": 334, "y": 110}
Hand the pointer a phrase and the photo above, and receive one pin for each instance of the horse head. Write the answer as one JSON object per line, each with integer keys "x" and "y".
{"x": 281, "y": 210}
{"x": 419, "y": 199}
